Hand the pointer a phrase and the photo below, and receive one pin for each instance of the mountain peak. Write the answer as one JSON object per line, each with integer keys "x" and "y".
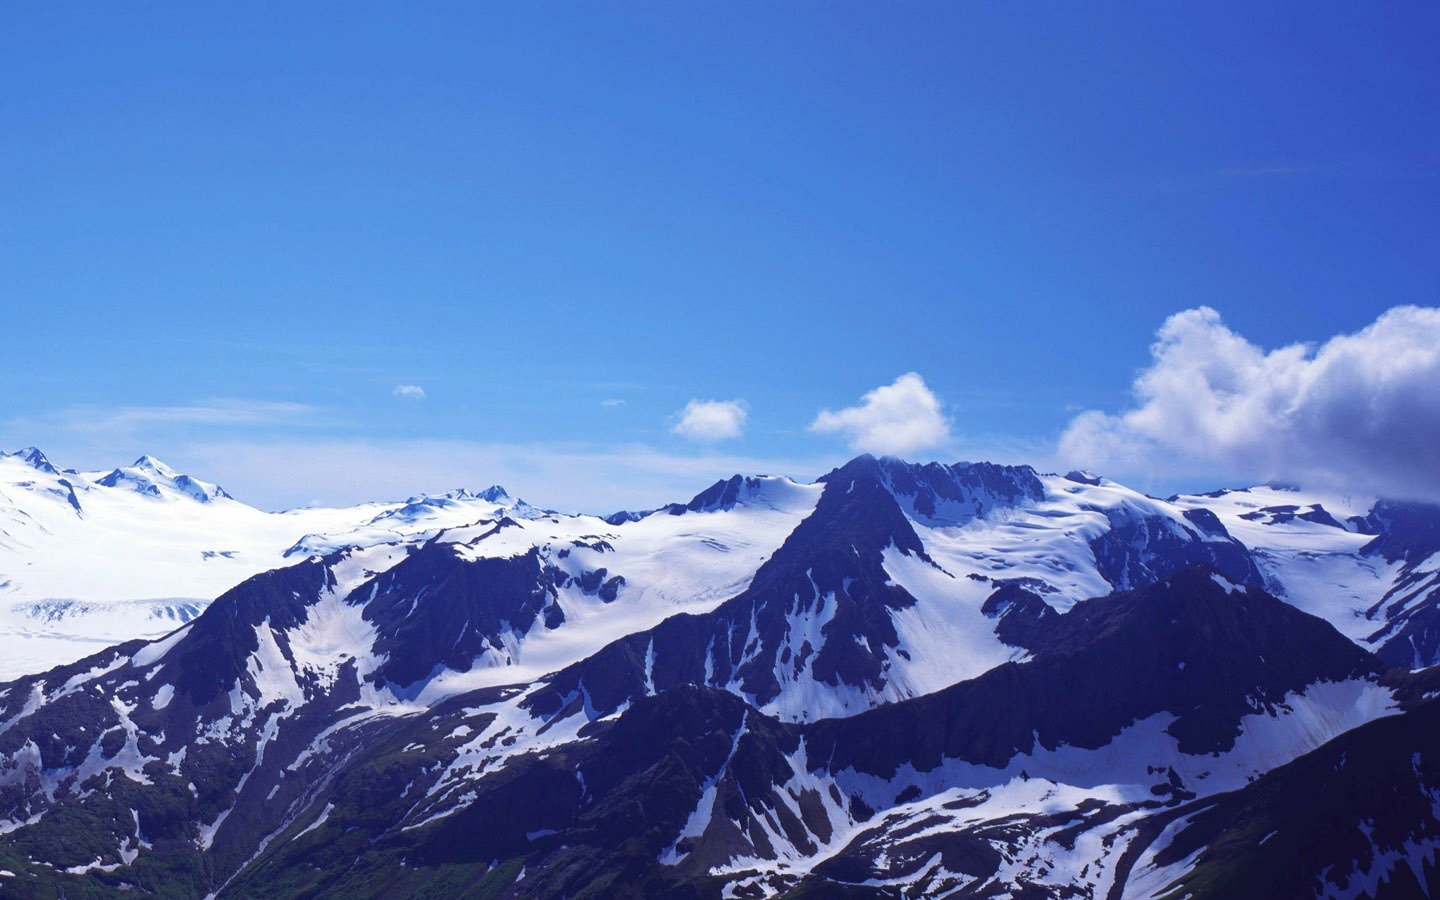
{"x": 32, "y": 457}
{"x": 152, "y": 478}
{"x": 494, "y": 494}
{"x": 148, "y": 463}
{"x": 935, "y": 493}
{"x": 737, "y": 490}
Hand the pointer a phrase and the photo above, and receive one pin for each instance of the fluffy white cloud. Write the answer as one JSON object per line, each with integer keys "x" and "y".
{"x": 708, "y": 421}
{"x": 409, "y": 391}
{"x": 1360, "y": 411}
{"x": 894, "y": 420}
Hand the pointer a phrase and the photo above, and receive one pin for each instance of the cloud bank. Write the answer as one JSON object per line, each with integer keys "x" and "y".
{"x": 709, "y": 421}
{"x": 894, "y": 420}
{"x": 1359, "y": 412}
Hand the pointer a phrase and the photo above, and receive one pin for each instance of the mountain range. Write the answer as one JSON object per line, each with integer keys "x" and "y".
{"x": 902, "y": 680}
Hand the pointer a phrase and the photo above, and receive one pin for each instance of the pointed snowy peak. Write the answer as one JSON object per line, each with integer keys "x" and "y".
{"x": 153, "y": 466}
{"x": 742, "y": 490}
{"x": 29, "y": 471}
{"x": 723, "y": 494}
{"x": 152, "y": 478}
{"x": 494, "y": 494}
{"x": 32, "y": 457}
{"x": 428, "y": 506}
{"x": 811, "y": 636}
{"x": 735, "y": 492}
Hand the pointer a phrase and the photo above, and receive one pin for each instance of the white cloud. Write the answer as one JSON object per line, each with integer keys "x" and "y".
{"x": 894, "y": 420}
{"x": 612, "y": 403}
{"x": 1359, "y": 412}
{"x": 409, "y": 391}
{"x": 708, "y": 421}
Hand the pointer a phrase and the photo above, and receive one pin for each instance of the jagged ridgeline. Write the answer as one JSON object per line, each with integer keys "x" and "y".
{"x": 903, "y": 680}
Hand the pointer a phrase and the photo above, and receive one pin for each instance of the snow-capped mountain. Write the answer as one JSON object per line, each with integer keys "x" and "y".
{"x": 1372, "y": 569}
{"x": 928, "y": 680}
{"x": 91, "y": 559}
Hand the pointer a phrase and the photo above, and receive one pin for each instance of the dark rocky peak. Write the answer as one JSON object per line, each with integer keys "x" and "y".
{"x": 210, "y": 657}
{"x": 32, "y": 457}
{"x": 626, "y": 516}
{"x": 724, "y": 494}
{"x": 1025, "y": 619}
{"x": 1142, "y": 546}
{"x": 1196, "y": 645}
{"x": 148, "y": 463}
{"x": 1208, "y": 523}
{"x": 436, "y": 610}
{"x": 493, "y": 494}
{"x": 1242, "y": 651}
{"x": 829, "y": 575}
{"x": 854, "y": 522}
{"x": 934, "y": 493}
{"x": 1407, "y": 531}
{"x": 1082, "y": 477}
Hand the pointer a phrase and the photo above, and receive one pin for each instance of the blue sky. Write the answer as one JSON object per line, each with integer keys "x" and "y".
{"x": 350, "y": 250}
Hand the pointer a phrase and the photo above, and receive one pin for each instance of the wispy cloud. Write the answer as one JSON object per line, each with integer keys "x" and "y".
{"x": 217, "y": 413}
{"x": 409, "y": 391}
{"x": 897, "y": 419}
{"x": 96, "y": 437}
{"x": 710, "y": 421}
{"x": 612, "y": 403}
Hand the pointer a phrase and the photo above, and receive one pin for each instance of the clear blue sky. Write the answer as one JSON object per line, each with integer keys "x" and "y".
{"x": 229, "y": 234}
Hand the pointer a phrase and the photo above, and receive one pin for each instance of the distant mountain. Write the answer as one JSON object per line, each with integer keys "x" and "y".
{"x": 90, "y": 559}
{"x": 1375, "y": 575}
